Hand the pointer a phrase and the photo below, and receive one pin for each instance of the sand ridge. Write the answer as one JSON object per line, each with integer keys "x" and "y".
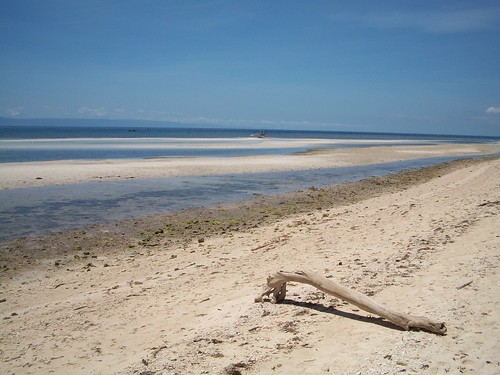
{"x": 33, "y": 174}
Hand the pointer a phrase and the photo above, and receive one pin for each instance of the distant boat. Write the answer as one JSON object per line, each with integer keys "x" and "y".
{"x": 261, "y": 134}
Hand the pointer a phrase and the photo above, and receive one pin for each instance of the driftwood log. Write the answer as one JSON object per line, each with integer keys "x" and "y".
{"x": 276, "y": 285}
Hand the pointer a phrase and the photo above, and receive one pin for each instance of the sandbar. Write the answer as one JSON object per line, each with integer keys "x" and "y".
{"x": 47, "y": 173}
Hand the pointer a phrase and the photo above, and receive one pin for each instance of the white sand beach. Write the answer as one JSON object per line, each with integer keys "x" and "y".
{"x": 111, "y": 301}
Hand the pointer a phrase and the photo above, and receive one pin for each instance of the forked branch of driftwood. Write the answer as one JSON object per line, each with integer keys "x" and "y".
{"x": 276, "y": 285}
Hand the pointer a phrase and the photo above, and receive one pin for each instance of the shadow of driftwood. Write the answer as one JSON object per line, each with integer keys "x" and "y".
{"x": 330, "y": 310}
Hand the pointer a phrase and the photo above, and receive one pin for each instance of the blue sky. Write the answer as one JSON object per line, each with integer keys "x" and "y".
{"x": 399, "y": 66}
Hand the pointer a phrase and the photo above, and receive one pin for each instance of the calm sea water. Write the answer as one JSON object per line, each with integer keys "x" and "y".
{"x": 74, "y": 131}
{"x": 37, "y": 211}
{"x": 39, "y": 143}
{"x": 42, "y": 210}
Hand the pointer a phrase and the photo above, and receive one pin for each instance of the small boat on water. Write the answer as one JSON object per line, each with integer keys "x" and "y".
{"x": 261, "y": 134}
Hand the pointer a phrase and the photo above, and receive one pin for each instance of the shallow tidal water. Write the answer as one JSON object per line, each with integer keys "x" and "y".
{"x": 44, "y": 210}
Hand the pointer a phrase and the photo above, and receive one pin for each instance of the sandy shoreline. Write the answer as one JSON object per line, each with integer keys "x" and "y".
{"x": 32, "y": 174}
{"x": 175, "y": 293}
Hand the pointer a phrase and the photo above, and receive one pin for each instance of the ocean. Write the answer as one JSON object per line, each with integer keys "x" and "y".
{"x": 45, "y": 143}
{"x": 42, "y": 210}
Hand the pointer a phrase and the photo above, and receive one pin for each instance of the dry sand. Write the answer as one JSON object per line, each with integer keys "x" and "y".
{"x": 18, "y": 175}
{"x": 147, "y": 298}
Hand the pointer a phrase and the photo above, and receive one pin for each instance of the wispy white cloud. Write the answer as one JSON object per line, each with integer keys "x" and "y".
{"x": 14, "y": 111}
{"x": 438, "y": 21}
{"x": 92, "y": 111}
{"x": 494, "y": 110}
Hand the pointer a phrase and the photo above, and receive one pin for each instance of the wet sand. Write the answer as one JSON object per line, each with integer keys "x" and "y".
{"x": 174, "y": 293}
